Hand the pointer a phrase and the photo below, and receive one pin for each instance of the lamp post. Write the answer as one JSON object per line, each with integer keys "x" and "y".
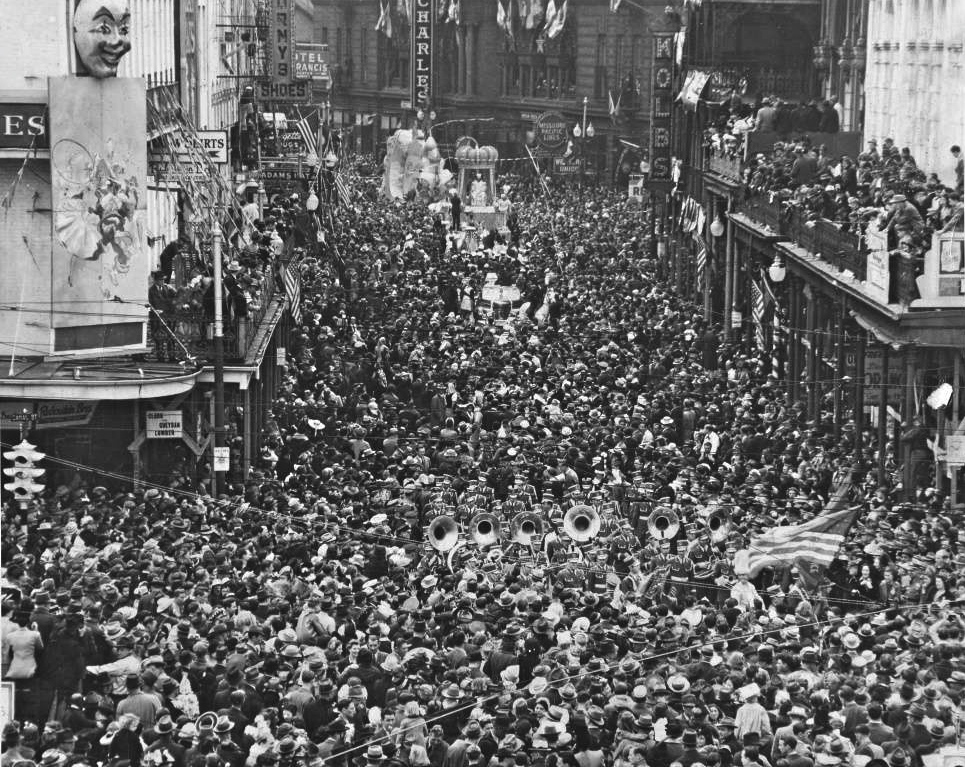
{"x": 582, "y": 131}
{"x": 217, "y": 477}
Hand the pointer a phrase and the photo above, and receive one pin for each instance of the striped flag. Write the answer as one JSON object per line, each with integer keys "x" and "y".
{"x": 342, "y": 190}
{"x": 701, "y": 257}
{"x": 814, "y": 542}
{"x": 293, "y": 292}
{"x": 757, "y": 314}
{"x": 309, "y": 134}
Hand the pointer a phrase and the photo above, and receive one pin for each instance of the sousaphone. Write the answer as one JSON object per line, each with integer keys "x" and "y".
{"x": 663, "y": 523}
{"x": 524, "y": 526}
{"x": 443, "y": 533}
{"x": 719, "y": 525}
{"x": 485, "y": 529}
{"x": 582, "y": 523}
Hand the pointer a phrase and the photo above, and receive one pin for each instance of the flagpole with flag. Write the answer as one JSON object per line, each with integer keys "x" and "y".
{"x": 814, "y": 542}
{"x": 559, "y": 21}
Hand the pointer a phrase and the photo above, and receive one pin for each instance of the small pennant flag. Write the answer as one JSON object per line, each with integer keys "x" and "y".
{"x": 614, "y": 108}
{"x": 404, "y": 10}
{"x": 615, "y": 5}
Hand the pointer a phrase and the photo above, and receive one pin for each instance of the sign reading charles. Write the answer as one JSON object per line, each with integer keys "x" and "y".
{"x": 102, "y": 35}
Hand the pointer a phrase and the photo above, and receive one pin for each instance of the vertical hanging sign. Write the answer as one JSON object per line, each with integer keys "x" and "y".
{"x": 661, "y": 100}
{"x": 423, "y": 31}
{"x": 281, "y": 84}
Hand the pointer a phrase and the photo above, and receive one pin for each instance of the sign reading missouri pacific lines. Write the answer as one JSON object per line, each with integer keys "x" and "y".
{"x": 423, "y": 30}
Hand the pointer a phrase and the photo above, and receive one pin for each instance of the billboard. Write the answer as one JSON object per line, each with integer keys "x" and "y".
{"x": 311, "y": 61}
{"x": 100, "y": 256}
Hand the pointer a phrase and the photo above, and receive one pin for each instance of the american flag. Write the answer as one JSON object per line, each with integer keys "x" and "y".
{"x": 757, "y": 313}
{"x": 343, "y": 195}
{"x": 308, "y": 133}
{"x": 816, "y": 541}
{"x": 293, "y": 292}
{"x": 701, "y": 256}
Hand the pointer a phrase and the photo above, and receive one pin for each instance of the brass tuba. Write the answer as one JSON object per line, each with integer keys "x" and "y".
{"x": 663, "y": 523}
{"x": 443, "y": 533}
{"x": 485, "y": 529}
{"x": 719, "y": 525}
{"x": 582, "y": 523}
{"x": 524, "y": 526}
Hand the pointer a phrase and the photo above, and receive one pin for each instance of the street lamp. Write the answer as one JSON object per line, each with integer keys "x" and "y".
{"x": 777, "y": 271}
{"x": 582, "y": 131}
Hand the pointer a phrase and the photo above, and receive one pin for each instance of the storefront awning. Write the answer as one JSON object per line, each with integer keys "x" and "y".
{"x": 896, "y": 342}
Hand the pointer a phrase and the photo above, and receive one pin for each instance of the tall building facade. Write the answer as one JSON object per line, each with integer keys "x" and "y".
{"x": 99, "y": 182}
{"x": 494, "y": 76}
{"x": 858, "y": 317}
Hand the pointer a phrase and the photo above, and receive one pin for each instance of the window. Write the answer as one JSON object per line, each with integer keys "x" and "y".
{"x": 618, "y": 64}
{"x": 363, "y": 56}
{"x": 324, "y": 35}
{"x": 600, "y": 81}
{"x": 393, "y": 62}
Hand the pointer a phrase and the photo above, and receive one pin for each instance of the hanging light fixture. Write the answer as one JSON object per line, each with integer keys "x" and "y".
{"x": 776, "y": 270}
{"x": 717, "y": 227}
{"x": 311, "y": 204}
{"x": 577, "y": 130}
{"x": 590, "y": 130}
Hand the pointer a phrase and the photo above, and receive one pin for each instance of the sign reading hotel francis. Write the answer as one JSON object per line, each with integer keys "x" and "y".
{"x": 423, "y": 29}
{"x": 281, "y": 84}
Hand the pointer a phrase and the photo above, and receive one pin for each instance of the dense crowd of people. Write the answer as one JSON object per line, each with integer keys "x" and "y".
{"x": 882, "y": 187}
{"x": 307, "y": 616}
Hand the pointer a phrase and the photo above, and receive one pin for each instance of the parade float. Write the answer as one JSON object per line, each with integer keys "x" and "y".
{"x": 413, "y": 166}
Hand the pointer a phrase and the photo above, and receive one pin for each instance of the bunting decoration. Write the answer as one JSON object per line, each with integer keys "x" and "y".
{"x": 615, "y": 5}
{"x": 404, "y": 10}
{"x": 614, "y": 108}
{"x": 455, "y": 12}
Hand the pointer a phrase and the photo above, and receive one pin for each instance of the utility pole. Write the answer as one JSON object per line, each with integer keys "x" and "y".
{"x": 217, "y": 478}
